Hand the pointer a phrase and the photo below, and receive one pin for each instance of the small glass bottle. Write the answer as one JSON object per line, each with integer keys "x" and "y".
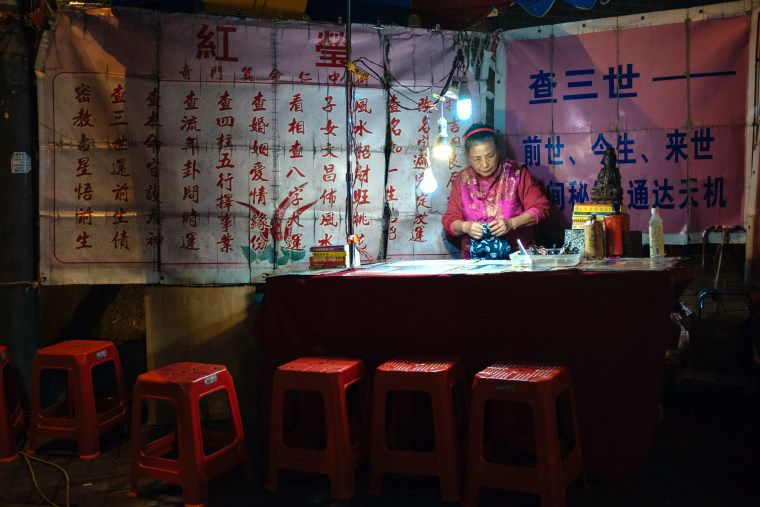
{"x": 656, "y": 236}
{"x": 593, "y": 238}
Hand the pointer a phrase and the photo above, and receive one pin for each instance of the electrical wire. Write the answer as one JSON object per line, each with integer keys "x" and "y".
{"x": 30, "y": 285}
{"x": 28, "y": 457}
{"x": 365, "y": 60}
{"x": 458, "y": 65}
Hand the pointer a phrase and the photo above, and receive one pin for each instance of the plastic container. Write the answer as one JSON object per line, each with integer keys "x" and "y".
{"x": 656, "y": 235}
{"x": 544, "y": 261}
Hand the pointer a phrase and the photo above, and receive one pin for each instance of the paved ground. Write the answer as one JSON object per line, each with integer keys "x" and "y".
{"x": 706, "y": 453}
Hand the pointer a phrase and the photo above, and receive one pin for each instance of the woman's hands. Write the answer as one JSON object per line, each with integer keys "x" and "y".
{"x": 473, "y": 229}
{"x": 498, "y": 227}
{"x": 501, "y": 226}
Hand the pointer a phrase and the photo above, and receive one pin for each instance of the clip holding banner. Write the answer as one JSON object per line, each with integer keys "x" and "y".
{"x": 363, "y": 74}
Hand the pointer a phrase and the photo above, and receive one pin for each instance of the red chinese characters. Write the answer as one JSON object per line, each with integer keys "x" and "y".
{"x": 117, "y": 101}
{"x": 206, "y": 45}
{"x": 84, "y": 191}
{"x": 225, "y": 176}
{"x": 331, "y": 49}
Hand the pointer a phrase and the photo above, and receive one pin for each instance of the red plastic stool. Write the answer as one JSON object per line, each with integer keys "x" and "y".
{"x": 437, "y": 377}
{"x": 82, "y": 415}
{"x": 343, "y": 446}
{"x": 180, "y": 457}
{"x": 11, "y": 416}
{"x": 555, "y": 451}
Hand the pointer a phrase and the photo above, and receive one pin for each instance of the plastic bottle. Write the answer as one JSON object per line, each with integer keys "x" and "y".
{"x": 656, "y": 237}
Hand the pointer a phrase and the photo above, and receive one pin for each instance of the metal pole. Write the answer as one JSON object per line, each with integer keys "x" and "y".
{"x": 19, "y": 326}
{"x": 349, "y": 141}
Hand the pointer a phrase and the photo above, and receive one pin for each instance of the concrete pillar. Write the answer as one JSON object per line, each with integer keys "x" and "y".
{"x": 19, "y": 327}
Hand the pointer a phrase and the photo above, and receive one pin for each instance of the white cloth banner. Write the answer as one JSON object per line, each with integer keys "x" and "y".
{"x": 186, "y": 149}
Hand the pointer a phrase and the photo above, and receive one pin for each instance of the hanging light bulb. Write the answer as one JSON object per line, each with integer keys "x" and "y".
{"x": 442, "y": 148}
{"x": 452, "y": 92}
{"x": 464, "y": 101}
{"x": 428, "y": 183}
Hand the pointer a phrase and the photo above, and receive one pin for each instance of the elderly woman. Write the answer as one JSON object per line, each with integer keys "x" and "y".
{"x": 499, "y": 193}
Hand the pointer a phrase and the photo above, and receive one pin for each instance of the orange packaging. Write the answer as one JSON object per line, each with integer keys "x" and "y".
{"x": 617, "y": 226}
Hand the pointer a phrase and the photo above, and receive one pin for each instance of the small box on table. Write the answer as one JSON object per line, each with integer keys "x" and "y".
{"x": 332, "y": 256}
{"x": 574, "y": 239}
{"x": 581, "y": 212}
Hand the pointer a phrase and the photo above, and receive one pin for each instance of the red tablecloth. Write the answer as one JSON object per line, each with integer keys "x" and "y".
{"x": 608, "y": 327}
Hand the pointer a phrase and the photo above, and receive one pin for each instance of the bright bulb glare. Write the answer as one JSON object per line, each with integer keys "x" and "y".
{"x": 442, "y": 151}
{"x": 442, "y": 148}
{"x": 464, "y": 109}
{"x": 428, "y": 184}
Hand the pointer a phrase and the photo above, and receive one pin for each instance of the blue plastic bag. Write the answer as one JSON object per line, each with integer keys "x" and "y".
{"x": 490, "y": 247}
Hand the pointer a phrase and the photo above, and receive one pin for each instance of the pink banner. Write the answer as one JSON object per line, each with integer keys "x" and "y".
{"x": 671, "y": 99}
